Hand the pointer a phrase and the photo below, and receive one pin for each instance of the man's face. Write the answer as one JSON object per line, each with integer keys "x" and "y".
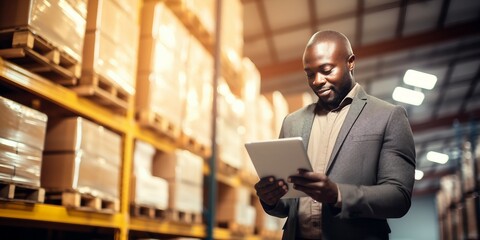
{"x": 327, "y": 67}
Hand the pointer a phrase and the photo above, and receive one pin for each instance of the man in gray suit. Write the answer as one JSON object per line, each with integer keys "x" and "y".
{"x": 361, "y": 149}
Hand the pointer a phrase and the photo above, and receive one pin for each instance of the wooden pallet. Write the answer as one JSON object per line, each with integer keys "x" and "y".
{"x": 237, "y": 229}
{"x": 192, "y": 23}
{"x": 159, "y": 124}
{"x": 147, "y": 212}
{"x": 38, "y": 55}
{"x": 104, "y": 92}
{"x": 83, "y": 202}
{"x": 184, "y": 217}
{"x": 21, "y": 193}
{"x": 190, "y": 143}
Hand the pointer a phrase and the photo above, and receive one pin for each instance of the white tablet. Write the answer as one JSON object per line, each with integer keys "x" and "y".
{"x": 280, "y": 158}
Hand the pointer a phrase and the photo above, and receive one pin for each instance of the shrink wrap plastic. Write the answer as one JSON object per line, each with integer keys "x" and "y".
{"x": 184, "y": 172}
{"x": 22, "y": 139}
{"x": 69, "y": 17}
{"x": 111, "y": 43}
{"x": 163, "y": 54}
{"x": 81, "y": 155}
{"x": 22, "y": 124}
{"x": 20, "y": 163}
{"x": 147, "y": 189}
{"x": 230, "y": 134}
{"x": 81, "y": 171}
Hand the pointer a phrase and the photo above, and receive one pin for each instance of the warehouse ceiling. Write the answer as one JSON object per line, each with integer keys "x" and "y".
{"x": 440, "y": 37}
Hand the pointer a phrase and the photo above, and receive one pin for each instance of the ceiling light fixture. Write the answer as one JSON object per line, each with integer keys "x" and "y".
{"x": 409, "y": 96}
{"x": 420, "y": 79}
{"x": 418, "y": 174}
{"x": 437, "y": 157}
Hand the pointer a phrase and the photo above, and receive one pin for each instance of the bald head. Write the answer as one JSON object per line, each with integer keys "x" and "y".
{"x": 341, "y": 41}
{"x": 328, "y": 62}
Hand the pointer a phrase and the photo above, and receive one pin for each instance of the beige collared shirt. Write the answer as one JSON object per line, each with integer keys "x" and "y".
{"x": 323, "y": 135}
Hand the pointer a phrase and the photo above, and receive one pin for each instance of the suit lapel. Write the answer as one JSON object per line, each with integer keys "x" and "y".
{"x": 356, "y": 108}
{"x": 307, "y": 125}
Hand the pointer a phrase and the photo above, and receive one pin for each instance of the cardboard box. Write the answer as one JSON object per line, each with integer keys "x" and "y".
{"x": 180, "y": 166}
{"x": 161, "y": 95}
{"x": 110, "y": 60}
{"x": 234, "y": 204}
{"x": 198, "y": 108}
{"x": 108, "y": 17}
{"x": 142, "y": 158}
{"x": 239, "y": 213}
{"x": 185, "y": 197}
{"x": 280, "y": 109}
{"x": 155, "y": 56}
{"x": 38, "y": 15}
{"x": 151, "y": 191}
{"x": 22, "y": 124}
{"x": 82, "y": 172}
{"x": 76, "y": 133}
{"x": 129, "y": 6}
{"x": 232, "y": 31}
{"x": 20, "y": 163}
{"x": 266, "y": 222}
{"x": 230, "y": 124}
{"x": 159, "y": 22}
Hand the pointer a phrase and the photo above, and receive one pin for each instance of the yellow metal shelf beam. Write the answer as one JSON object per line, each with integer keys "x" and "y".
{"x": 149, "y": 136}
{"x": 233, "y": 181}
{"x": 154, "y": 226}
{"x": 61, "y": 96}
{"x": 59, "y": 214}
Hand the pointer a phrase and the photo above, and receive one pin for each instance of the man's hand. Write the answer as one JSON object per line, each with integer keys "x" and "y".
{"x": 270, "y": 190}
{"x": 316, "y": 185}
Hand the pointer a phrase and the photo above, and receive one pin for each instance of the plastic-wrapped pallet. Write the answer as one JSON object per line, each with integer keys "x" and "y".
{"x": 205, "y": 11}
{"x": 230, "y": 134}
{"x": 250, "y": 96}
{"x": 162, "y": 82}
{"x": 280, "y": 110}
{"x": 198, "y": 107}
{"x": 111, "y": 43}
{"x": 184, "y": 172}
{"x": 267, "y": 224}
{"x": 265, "y": 119}
{"x": 147, "y": 190}
{"x": 82, "y": 156}
{"x": 232, "y": 32}
{"x": 233, "y": 205}
{"x": 38, "y": 15}
{"x": 22, "y": 139}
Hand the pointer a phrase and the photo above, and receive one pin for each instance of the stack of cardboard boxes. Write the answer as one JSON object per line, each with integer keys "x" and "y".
{"x": 22, "y": 138}
{"x": 111, "y": 43}
{"x": 162, "y": 79}
{"x": 230, "y": 134}
{"x": 84, "y": 157}
{"x": 234, "y": 206}
{"x": 183, "y": 171}
{"x": 147, "y": 190}
{"x": 69, "y": 17}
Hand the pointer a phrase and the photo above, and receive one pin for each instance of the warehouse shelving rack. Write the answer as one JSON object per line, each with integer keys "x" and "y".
{"x": 44, "y": 95}
{"x": 41, "y": 92}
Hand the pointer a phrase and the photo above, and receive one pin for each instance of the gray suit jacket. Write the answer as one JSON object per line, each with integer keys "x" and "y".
{"x": 373, "y": 163}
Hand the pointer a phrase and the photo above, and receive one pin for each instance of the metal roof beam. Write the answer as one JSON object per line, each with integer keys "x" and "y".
{"x": 430, "y": 37}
